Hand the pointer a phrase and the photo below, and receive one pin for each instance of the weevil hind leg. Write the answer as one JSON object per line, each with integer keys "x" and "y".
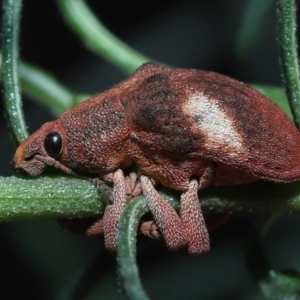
{"x": 114, "y": 211}
{"x": 165, "y": 216}
{"x": 193, "y": 220}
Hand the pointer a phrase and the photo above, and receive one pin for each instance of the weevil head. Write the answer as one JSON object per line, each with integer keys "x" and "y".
{"x": 42, "y": 148}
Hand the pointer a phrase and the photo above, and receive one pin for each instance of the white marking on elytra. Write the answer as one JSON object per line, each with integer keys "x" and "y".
{"x": 212, "y": 121}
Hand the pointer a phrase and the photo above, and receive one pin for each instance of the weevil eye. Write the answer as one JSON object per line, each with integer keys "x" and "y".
{"x": 53, "y": 144}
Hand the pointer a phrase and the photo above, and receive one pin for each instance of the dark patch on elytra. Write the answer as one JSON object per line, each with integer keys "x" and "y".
{"x": 157, "y": 110}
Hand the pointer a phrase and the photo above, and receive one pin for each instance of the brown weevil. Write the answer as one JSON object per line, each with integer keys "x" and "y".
{"x": 184, "y": 129}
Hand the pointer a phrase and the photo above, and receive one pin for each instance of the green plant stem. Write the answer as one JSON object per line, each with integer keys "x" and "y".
{"x": 289, "y": 54}
{"x": 96, "y": 36}
{"x": 126, "y": 252}
{"x": 10, "y": 32}
{"x": 48, "y": 198}
{"x": 46, "y": 90}
{"x": 60, "y": 197}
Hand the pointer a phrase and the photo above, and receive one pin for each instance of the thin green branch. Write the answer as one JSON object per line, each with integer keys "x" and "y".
{"x": 48, "y": 198}
{"x": 126, "y": 254}
{"x": 96, "y": 36}
{"x": 289, "y": 54}
{"x": 60, "y": 197}
{"x": 10, "y": 35}
{"x": 45, "y": 89}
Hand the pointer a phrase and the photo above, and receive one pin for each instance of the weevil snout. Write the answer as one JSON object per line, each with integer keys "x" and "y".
{"x": 26, "y": 159}
{"x": 18, "y": 160}
{"x": 43, "y": 148}
{"x": 26, "y": 163}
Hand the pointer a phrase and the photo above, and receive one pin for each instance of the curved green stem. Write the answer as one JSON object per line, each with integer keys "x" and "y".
{"x": 126, "y": 253}
{"x": 10, "y": 32}
{"x": 100, "y": 40}
{"x": 45, "y": 89}
{"x": 57, "y": 197}
{"x": 289, "y": 54}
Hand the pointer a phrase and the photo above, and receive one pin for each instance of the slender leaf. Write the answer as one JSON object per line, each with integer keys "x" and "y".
{"x": 98, "y": 38}
{"x": 45, "y": 89}
{"x": 289, "y": 54}
{"x": 126, "y": 253}
{"x": 10, "y": 49}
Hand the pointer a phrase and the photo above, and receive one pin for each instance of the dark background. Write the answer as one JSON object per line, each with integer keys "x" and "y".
{"x": 38, "y": 260}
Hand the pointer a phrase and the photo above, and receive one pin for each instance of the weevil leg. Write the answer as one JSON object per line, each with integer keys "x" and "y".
{"x": 95, "y": 228}
{"x": 113, "y": 211}
{"x": 150, "y": 229}
{"x": 92, "y": 226}
{"x": 132, "y": 180}
{"x": 165, "y": 216}
{"x": 133, "y": 186}
{"x": 103, "y": 188}
{"x": 207, "y": 177}
{"x": 192, "y": 217}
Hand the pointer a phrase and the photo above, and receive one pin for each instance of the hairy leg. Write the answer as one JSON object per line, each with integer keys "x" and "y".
{"x": 166, "y": 218}
{"x": 192, "y": 217}
{"x": 113, "y": 211}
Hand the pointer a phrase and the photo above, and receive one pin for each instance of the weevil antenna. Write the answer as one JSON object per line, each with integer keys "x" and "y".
{"x": 50, "y": 161}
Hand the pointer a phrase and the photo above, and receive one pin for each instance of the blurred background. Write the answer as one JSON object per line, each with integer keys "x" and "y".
{"x": 38, "y": 260}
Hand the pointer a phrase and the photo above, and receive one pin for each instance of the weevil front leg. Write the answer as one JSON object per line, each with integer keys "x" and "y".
{"x": 124, "y": 188}
{"x": 193, "y": 220}
{"x": 114, "y": 211}
{"x": 165, "y": 216}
